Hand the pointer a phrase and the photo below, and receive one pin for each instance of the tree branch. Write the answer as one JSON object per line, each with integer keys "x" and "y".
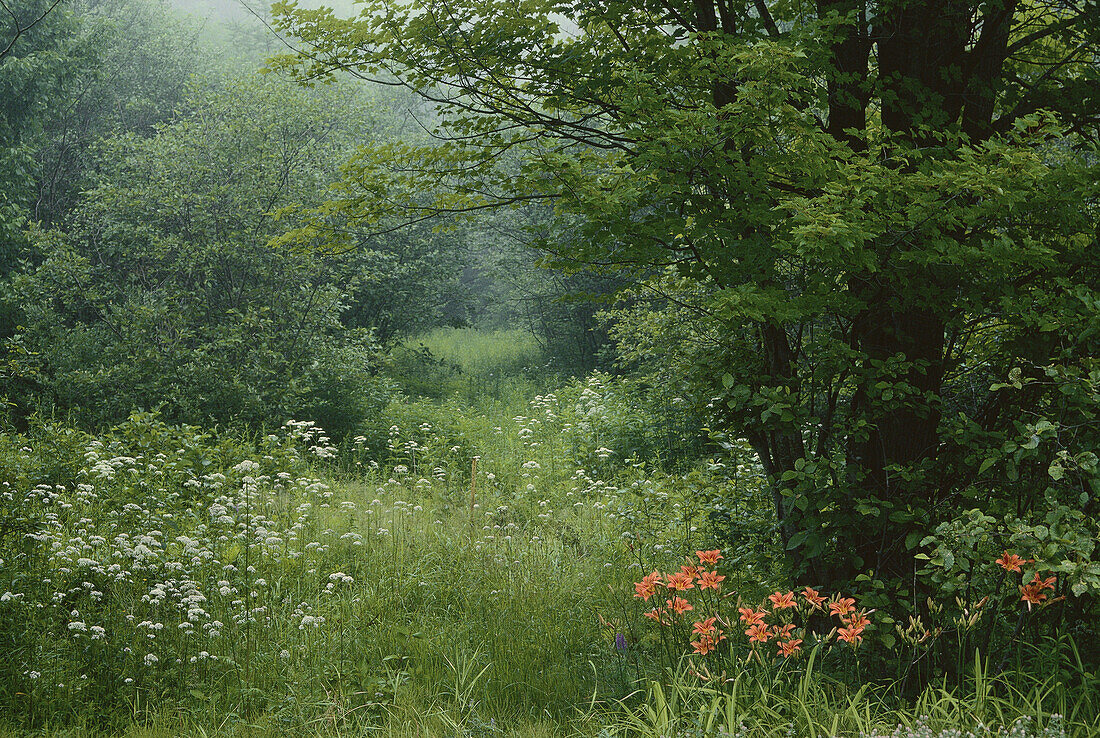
{"x": 20, "y": 29}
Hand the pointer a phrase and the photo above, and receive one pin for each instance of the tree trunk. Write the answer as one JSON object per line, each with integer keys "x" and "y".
{"x": 902, "y": 415}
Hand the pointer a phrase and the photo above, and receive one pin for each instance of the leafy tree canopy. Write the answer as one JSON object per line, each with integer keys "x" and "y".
{"x": 878, "y": 210}
{"x": 162, "y": 289}
{"x": 32, "y": 64}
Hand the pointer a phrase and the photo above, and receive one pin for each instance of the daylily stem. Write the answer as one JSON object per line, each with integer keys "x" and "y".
{"x": 1015, "y": 634}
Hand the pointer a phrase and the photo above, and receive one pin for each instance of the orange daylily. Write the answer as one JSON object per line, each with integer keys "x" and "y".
{"x": 1012, "y": 562}
{"x": 790, "y": 648}
{"x": 710, "y": 580}
{"x": 850, "y": 635}
{"x": 705, "y": 627}
{"x": 648, "y": 586}
{"x": 680, "y": 581}
{"x": 782, "y": 601}
{"x": 758, "y": 633}
{"x": 679, "y": 605}
{"x": 812, "y": 596}
{"x": 1032, "y": 595}
{"x": 709, "y": 557}
{"x": 858, "y": 620}
{"x": 842, "y": 606}
{"x": 1044, "y": 583}
{"x": 784, "y": 631}
{"x": 751, "y": 616}
{"x": 706, "y": 644}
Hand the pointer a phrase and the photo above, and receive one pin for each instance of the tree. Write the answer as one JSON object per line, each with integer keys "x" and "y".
{"x": 559, "y": 306}
{"x": 21, "y": 20}
{"x": 162, "y": 290}
{"x": 130, "y": 65}
{"x": 32, "y": 64}
{"x": 881, "y": 208}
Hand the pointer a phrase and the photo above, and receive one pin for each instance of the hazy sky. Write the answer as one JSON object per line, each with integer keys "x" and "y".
{"x": 225, "y": 22}
{"x": 233, "y": 9}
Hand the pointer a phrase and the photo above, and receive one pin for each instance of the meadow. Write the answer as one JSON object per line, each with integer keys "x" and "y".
{"x": 463, "y": 369}
{"x": 469, "y": 565}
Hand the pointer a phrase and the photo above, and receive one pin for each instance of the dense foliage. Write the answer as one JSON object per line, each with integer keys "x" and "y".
{"x": 203, "y": 583}
{"x": 830, "y": 182}
{"x": 141, "y": 269}
{"x": 787, "y": 426}
{"x": 162, "y": 290}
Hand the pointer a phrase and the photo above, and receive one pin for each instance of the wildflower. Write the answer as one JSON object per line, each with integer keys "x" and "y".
{"x": 781, "y": 601}
{"x": 704, "y": 627}
{"x": 790, "y": 648}
{"x": 750, "y": 616}
{"x": 1032, "y": 594}
{"x": 707, "y": 643}
{"x": 850, "y": 635}
{"x": 856, "y": 621}
{"x": 655, "y": 615}
{"x": 1044, "y": 583}
{"x": 680, "y": 581}
{"x": 709, "y": 557}
{"x": 679, "y": 605}
{"x": 648, "y": 586}
{"x": 1012, "y": 562}
{"x": 758, "y": 633}
{"x": 814, "y": 598}
{"x": 690, "y": 570}
{"x": 310, "y": 620}
{"x": 620, "y": 642}
{"x": 842, "y": 606}
{"x": 784, "y": 631}
{"x": 710, "y": 580}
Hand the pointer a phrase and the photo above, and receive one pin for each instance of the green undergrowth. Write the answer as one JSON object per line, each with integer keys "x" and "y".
{"x": 465, "y": 570}
{"x": 804, "y": 702}
{"x": 158, "y": 572}
{"x": 472, "y": 365}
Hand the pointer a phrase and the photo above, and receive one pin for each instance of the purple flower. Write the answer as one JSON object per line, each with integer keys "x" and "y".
{"x": 620, "y": 642}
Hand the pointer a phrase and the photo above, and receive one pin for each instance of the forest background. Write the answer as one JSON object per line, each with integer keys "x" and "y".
{"x": 356, "y": 366}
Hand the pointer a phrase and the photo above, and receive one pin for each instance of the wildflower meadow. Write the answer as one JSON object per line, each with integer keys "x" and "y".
{"x": 549, "y": 369}
{"x": 511, "y": 568}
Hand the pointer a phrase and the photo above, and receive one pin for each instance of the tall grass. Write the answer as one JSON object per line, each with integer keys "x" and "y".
{"x": 465, "y": 573}
{"x": 473, "y": 366}
{"x": 234, "y": 585}
{"x": 505, "y": 352}
{"x": 763, "y": 704}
